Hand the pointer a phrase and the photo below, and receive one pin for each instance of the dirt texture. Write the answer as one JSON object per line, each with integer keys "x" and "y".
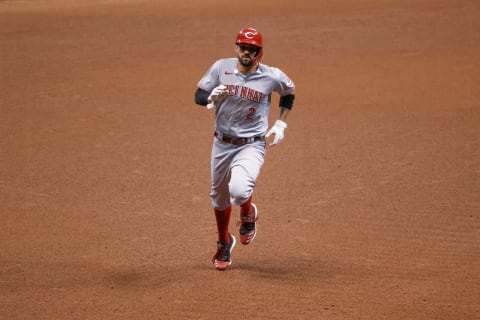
{"x": 369, "y": 209}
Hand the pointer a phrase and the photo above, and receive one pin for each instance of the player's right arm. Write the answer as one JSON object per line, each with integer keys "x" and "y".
{"x": 217, "y": 95}
{"x": 201, "y": 97}
{"x": 209, "y": 89}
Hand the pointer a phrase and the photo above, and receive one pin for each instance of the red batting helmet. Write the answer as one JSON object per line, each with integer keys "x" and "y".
{"x": 253, "y": 37}
{"x": 249, "y": 36}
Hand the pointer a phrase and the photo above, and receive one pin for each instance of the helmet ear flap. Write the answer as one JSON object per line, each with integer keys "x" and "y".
{"x": 258, "y": 56}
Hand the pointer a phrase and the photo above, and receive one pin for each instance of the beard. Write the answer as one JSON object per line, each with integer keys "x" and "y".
{"x": 245, "y": 60}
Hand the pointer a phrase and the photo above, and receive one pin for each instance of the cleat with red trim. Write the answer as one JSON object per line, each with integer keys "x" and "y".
{"x": 222, "y": 259}
{"x": 248, "y": 226}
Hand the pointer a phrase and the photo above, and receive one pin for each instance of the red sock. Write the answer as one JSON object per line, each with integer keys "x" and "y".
{"x": 223, "y": 218}
{"x": 246, "y": 208}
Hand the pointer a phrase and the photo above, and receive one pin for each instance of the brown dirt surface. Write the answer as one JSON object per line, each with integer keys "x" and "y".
{"x": 369, "y": 209}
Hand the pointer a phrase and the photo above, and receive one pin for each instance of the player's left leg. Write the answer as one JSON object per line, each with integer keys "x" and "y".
{"x": 248, "y": 221}
{"x": 245, "y": 169}
{"x": 244, "y": 174}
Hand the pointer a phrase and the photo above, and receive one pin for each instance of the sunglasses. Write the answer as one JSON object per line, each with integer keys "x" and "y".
{"x": 248, "y": 47}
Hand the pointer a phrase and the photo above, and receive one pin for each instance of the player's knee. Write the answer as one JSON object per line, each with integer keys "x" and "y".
{"x": 236, "y": 201}
{"x": 239, "y": 194}
{"x": 219, "y": 201}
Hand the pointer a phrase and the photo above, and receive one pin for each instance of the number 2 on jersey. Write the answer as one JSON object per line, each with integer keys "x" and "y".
{"x": 251, "y": 113}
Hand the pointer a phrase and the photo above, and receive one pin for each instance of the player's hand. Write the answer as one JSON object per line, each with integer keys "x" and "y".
{"x": 218, "y": 93}
{"x": 278, "y": 130}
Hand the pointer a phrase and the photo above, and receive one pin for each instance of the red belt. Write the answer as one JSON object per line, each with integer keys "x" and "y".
{"x": 237, "y": 141}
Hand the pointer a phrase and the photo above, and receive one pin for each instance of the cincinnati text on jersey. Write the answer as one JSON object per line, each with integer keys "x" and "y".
{"x": 245, "y": 93}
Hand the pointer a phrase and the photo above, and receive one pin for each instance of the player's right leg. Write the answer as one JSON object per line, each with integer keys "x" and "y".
{"x": 220, "y": 199}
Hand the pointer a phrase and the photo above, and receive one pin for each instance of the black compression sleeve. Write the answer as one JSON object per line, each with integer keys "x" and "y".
{"x": 201, "y": 97}
{"x": 287, "y": 101}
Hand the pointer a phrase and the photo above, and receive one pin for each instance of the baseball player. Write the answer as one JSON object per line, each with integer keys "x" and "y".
{"x": 239, "y": 90}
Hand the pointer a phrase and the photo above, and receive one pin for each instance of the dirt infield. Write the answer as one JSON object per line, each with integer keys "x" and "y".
{"x": 369, "y": 209}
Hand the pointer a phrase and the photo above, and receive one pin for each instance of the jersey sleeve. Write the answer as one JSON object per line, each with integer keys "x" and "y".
{"x": 285, "y": 85}
{"x": 211, "y": 78}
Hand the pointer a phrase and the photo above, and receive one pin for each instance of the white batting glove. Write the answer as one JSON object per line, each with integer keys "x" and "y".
{"x": 217, "y": 94}
{"x": 278, "y": 130}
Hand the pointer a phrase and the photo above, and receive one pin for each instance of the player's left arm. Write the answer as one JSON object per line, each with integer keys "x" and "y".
{"x": 286, "y": 104}
{"x": 278, "y": 129}
{"x": 286, "y": 89}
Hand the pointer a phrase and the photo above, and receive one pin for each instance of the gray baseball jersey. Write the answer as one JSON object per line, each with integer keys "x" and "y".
{"x": 244, "y": 111}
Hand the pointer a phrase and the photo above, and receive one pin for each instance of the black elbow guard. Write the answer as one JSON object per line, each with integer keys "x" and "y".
{"x": 201, "y": 97}
{"x": 287, "y": 101}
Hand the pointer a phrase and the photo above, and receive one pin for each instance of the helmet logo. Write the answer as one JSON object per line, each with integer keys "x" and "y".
{"x": 249, "y": 35}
